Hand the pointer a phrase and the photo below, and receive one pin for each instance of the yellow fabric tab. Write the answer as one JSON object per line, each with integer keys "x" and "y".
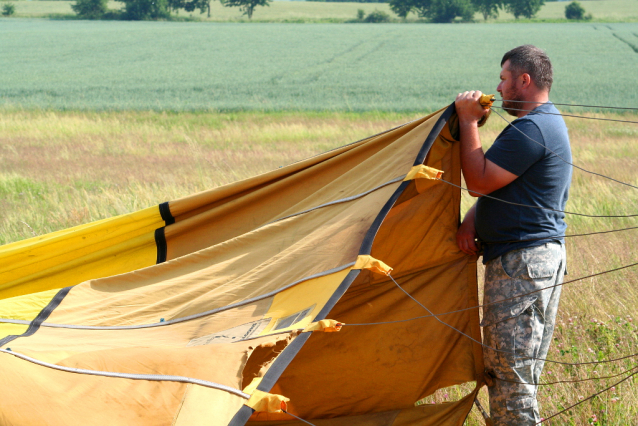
{"x": 423, "y": 172}
{"x": 326, "y": 325}
{"x": 253, "y": 385}
{"x": 375, "y": 265}
{"x": 486, "y": 101}
{"x": 268, "y": 402}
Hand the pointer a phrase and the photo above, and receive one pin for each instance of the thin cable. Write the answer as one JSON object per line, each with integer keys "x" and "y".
{"x": 586, "y": 399}
{"x": 560, "y": 236}
{"x": 539, "y": 207}
{"x": 571, "y": 164}
{"x": 131, "y": 376}
{"x": 499, "y": 301}
{"x": 629, "y": 370}
{"x": 298, "y": 418}
{"x": 502, "y": 351}
{"x": 571, "y": 115}
{"x": 575, "y": 105}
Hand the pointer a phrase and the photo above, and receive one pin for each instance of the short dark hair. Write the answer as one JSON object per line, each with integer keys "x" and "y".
{"x": 533, "y": 61}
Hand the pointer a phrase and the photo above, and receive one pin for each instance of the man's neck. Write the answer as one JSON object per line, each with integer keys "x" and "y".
{"x": 529, "y": 104}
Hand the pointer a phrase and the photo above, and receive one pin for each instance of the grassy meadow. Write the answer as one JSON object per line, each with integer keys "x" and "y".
{"x": 190, "y": 66}
{"x": 60, "y": 169}
{"x": 314, "y": 12}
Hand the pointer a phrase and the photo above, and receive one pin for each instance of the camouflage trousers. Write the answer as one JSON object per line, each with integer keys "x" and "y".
{"x": 520, "y": 329}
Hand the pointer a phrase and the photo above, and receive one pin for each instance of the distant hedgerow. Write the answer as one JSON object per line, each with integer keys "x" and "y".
{"x": 377, "y": 16}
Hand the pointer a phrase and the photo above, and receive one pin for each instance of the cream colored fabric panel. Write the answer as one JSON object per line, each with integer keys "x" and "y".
{"x": 68, "y": 257}
{"x": 32, "y": 395}
{"x": 402, "y": 362}
{"x": 68, "y": 342}
{"x": 247, "y": 266}
{"x": 207, "y": 407}
{"x": 321, "y": 179}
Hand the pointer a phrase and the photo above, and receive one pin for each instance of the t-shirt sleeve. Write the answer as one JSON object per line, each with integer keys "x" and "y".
{"x": 516, "y": 151}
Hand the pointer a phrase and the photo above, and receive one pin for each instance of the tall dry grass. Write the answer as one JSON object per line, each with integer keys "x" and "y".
{"x": 60, "y": 169}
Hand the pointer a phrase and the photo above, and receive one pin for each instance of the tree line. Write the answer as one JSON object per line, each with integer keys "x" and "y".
{"x": 439, "y": 11}
{"x": 156, "y": 9}
{"x": 448, "y": 10}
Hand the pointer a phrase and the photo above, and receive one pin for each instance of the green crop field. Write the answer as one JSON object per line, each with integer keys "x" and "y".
{"x": 83, "y": 65}
{"x": 307, "y": 11}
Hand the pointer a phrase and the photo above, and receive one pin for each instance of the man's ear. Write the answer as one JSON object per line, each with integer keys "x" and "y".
{"x": 525, "y": 80}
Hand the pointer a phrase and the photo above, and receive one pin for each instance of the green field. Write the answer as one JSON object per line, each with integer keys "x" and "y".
{"x": 302, "y": 11}
{"x": 181, "y": 66}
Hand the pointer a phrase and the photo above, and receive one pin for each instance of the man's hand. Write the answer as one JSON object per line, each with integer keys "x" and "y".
{"x": 468, "y": 107}
{"x": 466, "y": 234}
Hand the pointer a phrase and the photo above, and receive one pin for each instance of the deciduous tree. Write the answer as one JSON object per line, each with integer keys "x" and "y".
{"x": 575, "y": 11}
{"x": 90, "y": 9}
{"x": 8, "y": 9}
{"x": 137, "y": 10}
{"x": 447, "y": 10}
{"x": 401, "y": 7}
{"x": 526, "y": 8}
{"x": 246, "y": 6}
{"x": 434, "y": 10}
{"x": 488, "y": 8}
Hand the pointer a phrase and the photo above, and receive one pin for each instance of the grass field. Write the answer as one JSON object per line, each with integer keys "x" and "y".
{"x": 60, "y": 169}
{"x": 302, "y": 11}
{"x": 185, "y": 66}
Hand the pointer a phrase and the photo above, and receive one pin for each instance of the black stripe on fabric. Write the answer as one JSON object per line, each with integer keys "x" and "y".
{"x": 241, "y": 417}
{"x": 277, "y": 368}
{"x": 434, "y": 133}
{"x": 165, "y": 212}
{"x": 160, "y": 243}
{"x": 42, "y": 316}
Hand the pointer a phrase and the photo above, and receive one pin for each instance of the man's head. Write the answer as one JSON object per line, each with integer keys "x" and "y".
{"x": 526, "y": 76}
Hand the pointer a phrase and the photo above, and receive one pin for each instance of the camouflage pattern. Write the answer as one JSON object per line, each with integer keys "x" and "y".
{"x": 523, "y": 326}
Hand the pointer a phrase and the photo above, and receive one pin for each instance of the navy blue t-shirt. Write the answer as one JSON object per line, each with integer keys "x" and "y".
{"x": 543, "y": 180}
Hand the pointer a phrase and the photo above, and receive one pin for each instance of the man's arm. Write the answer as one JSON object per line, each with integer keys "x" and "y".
{"x": 467, "y": 233}
{"x": 481, "y": 175}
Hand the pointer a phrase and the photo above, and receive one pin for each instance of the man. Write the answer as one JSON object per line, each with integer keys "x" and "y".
{"x": 523, "y": 246}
